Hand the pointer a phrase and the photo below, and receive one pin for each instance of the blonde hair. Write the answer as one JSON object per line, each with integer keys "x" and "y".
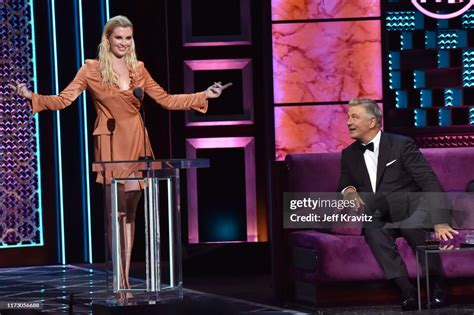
{"x": 109, "y": 77}
{"x": 370, "y": 106}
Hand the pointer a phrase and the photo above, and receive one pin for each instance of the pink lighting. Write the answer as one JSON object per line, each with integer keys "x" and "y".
{"x": 436, "y": 15}
{"x": 216, "y": 64}
{"x": 311, "y": 129}
{"x": 245, "y": 67}
{"x": 217, "y": 43}
{"x": 242, "y": 37}
{"x": 323, "y": 9}
{"x": 248, "y": 144}
{"x": 326, "y": 61}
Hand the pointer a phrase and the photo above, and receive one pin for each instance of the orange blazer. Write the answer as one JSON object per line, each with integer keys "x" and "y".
{"x": 121, "y": 105}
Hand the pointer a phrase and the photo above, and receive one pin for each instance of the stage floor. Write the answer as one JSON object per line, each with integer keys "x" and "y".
{"x": 62, "y": 289}
{"x": 73, "y": 289}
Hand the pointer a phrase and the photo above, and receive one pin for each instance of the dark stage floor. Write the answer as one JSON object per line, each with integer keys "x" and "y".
{"x": 54, "y": 286}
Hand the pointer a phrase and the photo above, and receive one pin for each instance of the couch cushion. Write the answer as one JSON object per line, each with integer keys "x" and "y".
{"x": 319, "y": 172}
{"x": 347, "y": 228}
{"x": 453, "y": 166}
{"x": 348, "y": 258}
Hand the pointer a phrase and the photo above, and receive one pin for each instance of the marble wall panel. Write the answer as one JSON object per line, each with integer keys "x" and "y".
{"x": 326, "y": 61}
{"x": 311, "y": 129}
{"x": 323, "y": 9}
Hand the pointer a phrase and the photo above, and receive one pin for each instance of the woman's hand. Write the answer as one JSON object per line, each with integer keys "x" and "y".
{"x": 21, "y": 89}
{"x": 216, "y": 89}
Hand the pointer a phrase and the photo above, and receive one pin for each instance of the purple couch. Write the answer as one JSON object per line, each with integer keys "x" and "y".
{"x": 318, "y": 259}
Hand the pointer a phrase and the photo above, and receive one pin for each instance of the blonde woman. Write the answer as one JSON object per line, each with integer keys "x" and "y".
{"x": 112, "y": 79}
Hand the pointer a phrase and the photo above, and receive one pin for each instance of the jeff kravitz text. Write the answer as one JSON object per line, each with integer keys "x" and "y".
{"x": 335, "y": 217}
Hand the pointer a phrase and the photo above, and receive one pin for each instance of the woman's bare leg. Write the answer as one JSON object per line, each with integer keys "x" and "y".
{"x": 132, "y": 199}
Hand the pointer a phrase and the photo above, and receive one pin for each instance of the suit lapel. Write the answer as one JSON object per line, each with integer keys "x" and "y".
{"x": 384, "y": 154}
{"x": 362, "y": 171}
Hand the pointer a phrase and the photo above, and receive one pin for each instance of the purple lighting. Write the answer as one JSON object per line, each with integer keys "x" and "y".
{"x": 248, "y": 143}
{"x": 245, "y": 66}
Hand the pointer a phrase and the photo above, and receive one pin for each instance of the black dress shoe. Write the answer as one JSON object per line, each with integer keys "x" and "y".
{"x": 439, "y": 298}
{"x": 409, "y": 302}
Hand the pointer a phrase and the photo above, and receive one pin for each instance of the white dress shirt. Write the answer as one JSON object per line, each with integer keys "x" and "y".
{"x": 371, "y": 159}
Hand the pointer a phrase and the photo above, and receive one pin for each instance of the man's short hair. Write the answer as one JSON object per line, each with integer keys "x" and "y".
{"x": 370, "y": 106}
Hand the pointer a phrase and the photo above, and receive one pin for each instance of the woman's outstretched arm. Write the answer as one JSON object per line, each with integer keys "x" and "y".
{"x": 40, "y": 102}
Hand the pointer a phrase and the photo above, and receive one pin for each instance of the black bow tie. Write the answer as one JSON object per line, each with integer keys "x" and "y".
{"x": 369, "y": 147}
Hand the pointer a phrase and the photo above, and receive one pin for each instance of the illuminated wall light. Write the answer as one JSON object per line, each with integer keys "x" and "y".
{"x": 443, "y": 58}
{"x": 430, "y": 39}
{"x": 84, "y": 148}
{"x": 450, "y": 39}
{"x": 442, "y": 23}
{"x": 394, "y": 80}
{"x": 406, "y": 40}
{"x": 419, "y": 79}
{"x": 420, "y": 118}
{"x": 62, "y": 238}
{"x": 396, "y": 21}
{"x": 426, "y": 98}
{"x": 401, "y": 99}
{"x": 448, "y": 97}
{"x": 107, "y": 10}
{"x": 468, "y": 67}
{"x": 444, "y": 117}
{"x": 471, "y": 116}
{"x": 21, "y": 218}
{"x": 394, "y": 60}
{"x": 453, "y": 97}
{"x": 38, "y": 155}
{"x": 404, "y": 21}
{"x": 468, "y": 19}
{"x": 419, "y": 20}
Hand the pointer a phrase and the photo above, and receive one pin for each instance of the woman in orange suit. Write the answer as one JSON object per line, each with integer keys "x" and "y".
{"x": 112, "y": 79}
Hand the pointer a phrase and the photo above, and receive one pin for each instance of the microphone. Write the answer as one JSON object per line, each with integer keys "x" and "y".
{"x": 111, "y": 125}
{"x": 111, "y": 128}
{"x": 139, "y": 94}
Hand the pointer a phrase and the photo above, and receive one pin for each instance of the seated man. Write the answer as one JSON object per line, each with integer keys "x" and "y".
{"x": 382, "y": 165}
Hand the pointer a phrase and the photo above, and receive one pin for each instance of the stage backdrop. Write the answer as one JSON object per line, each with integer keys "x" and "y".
{"x": 186, "y": 47}
{"x": 324, "y": 54}
{"x": 20, "y": 186}
{"x": 327, "y": 52}
{"x": 428, "y": 72}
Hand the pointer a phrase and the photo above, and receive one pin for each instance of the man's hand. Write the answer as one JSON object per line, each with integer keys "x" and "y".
{"x": 350, "y": 193}
{"x": 446, "y": 247}
{"x": 216, "y": 89}
{"x": 444, "y": 232}
{"x": 21, "y": 89}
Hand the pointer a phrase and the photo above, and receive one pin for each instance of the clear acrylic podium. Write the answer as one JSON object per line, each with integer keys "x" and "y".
{"x": 153, "y": 172}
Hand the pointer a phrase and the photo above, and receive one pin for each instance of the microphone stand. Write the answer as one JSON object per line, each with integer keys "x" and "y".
{"x": 138, "y": 93}
{"x": 142, "y": 109}
{"x": 111, "y": 128}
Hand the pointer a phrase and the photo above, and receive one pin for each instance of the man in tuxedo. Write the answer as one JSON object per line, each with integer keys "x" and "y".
{"x": 382, "y": 171}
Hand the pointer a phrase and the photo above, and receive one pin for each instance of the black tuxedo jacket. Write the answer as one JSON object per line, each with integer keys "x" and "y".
{"x": 401, "y": 171}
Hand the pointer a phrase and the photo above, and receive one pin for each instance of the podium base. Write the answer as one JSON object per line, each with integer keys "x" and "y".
{"x": 190, "y": 304}
{"x": 171, "y": 306}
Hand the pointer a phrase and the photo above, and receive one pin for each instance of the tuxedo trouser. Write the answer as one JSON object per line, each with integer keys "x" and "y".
{"x": 382, "y": 244}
